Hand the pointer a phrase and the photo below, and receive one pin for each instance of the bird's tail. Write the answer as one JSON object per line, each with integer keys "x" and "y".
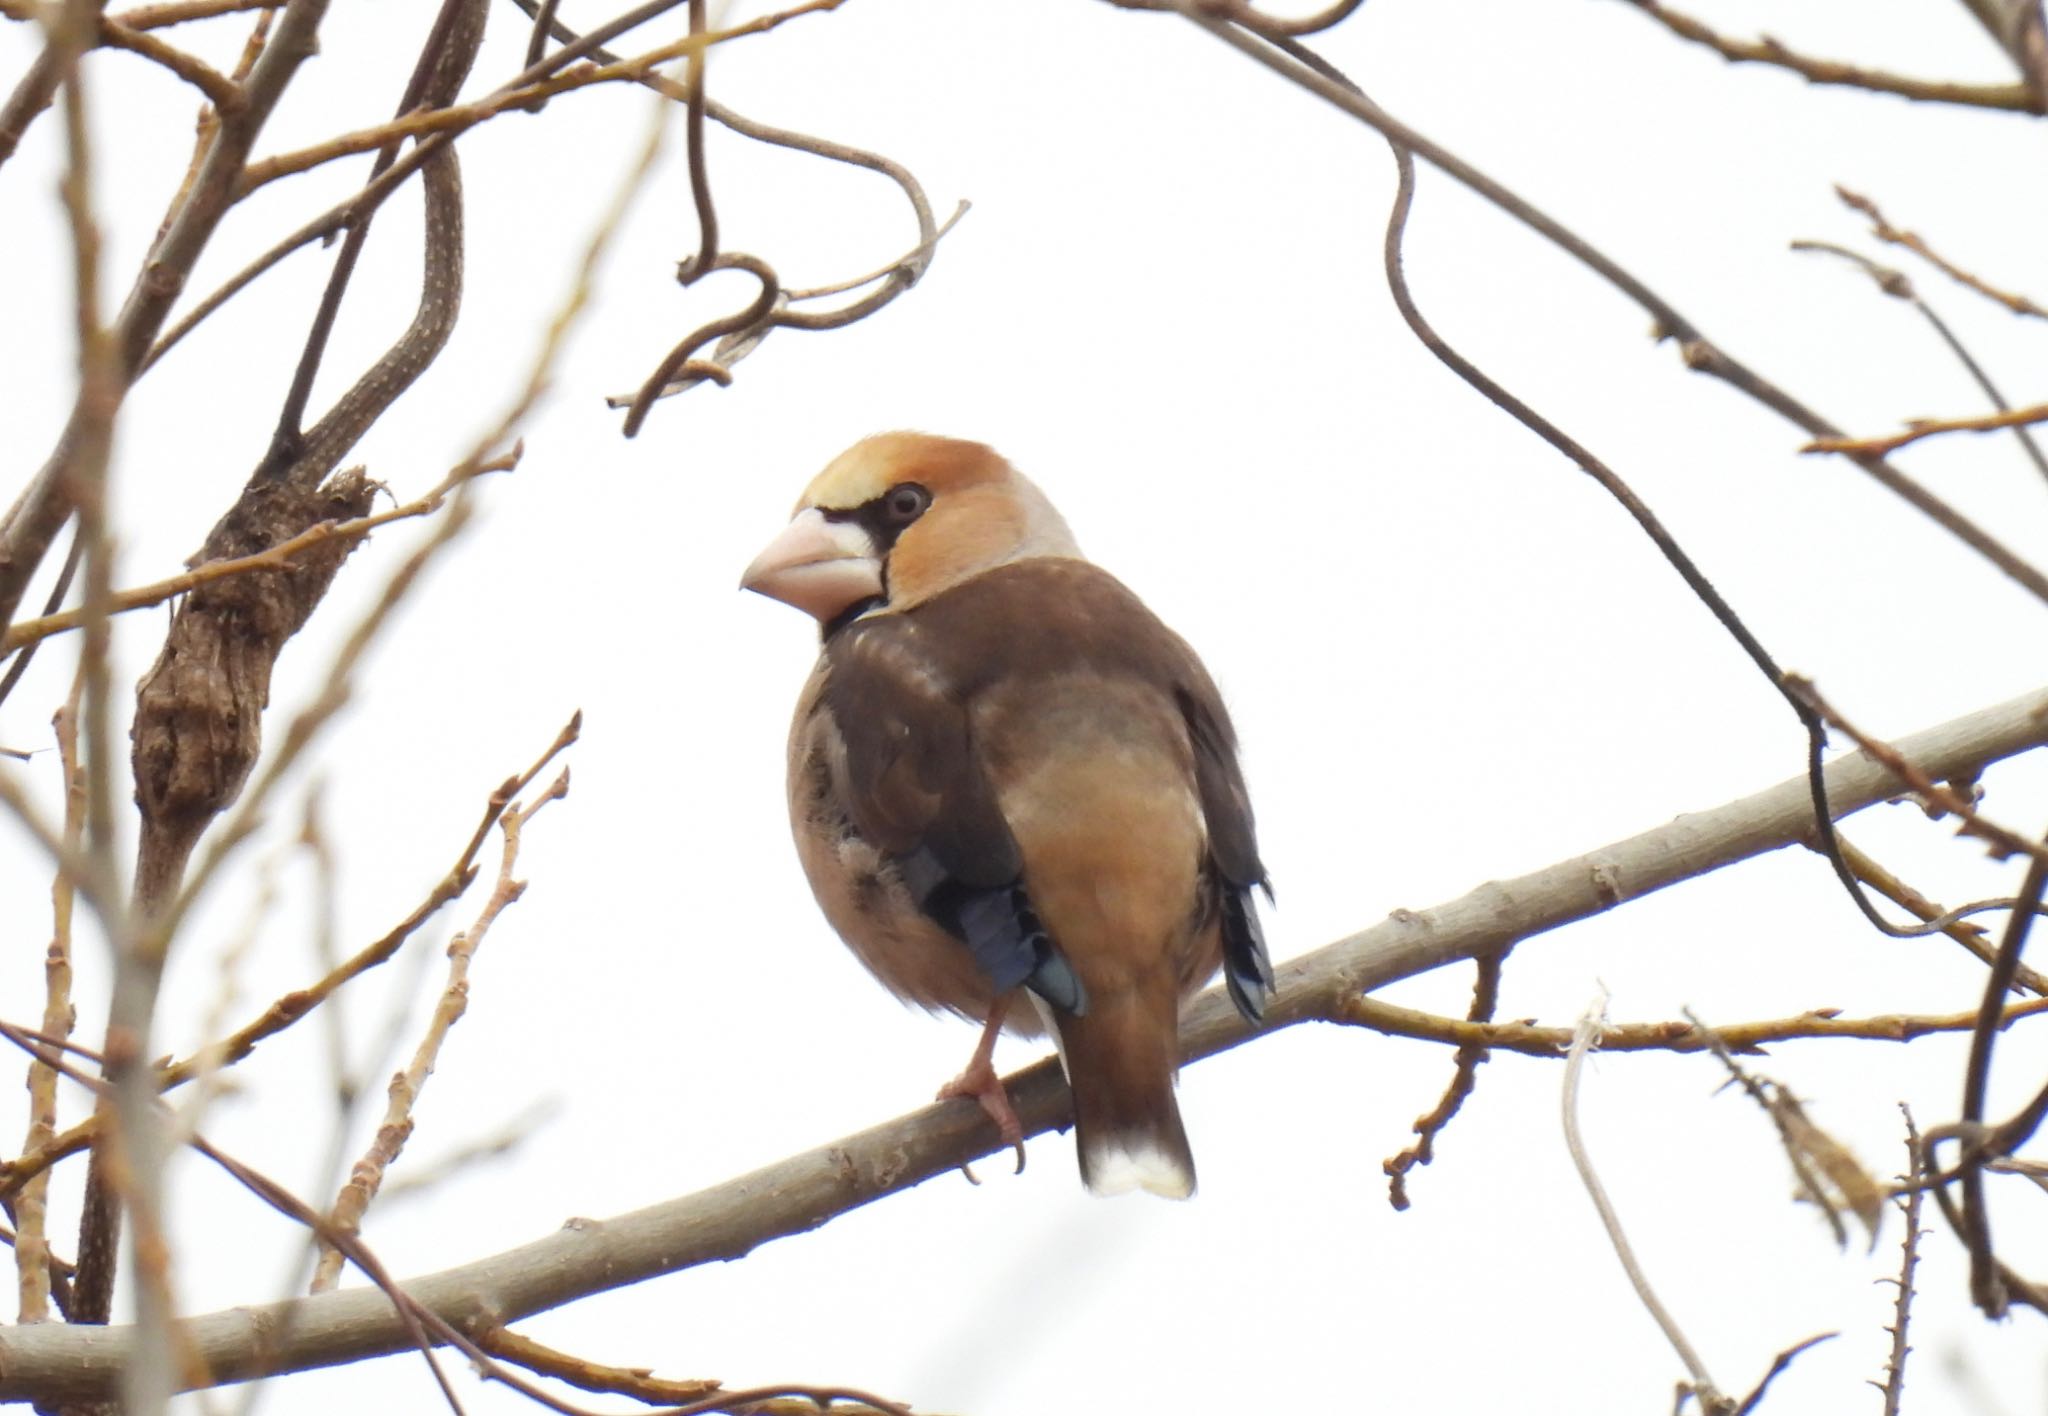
{"x": 1120, "y": 1064}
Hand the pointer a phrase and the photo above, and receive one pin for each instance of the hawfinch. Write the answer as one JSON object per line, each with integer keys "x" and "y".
{"x": 1015, "y": 792}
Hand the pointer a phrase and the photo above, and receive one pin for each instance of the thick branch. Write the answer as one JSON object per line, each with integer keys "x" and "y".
{"x": 795, "y": 1195}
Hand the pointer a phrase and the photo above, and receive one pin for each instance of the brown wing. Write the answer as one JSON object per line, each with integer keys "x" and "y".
{"x": 915, "y": 787}
{"x": 1052, "y": 618}
{"x": 913, "y": 781}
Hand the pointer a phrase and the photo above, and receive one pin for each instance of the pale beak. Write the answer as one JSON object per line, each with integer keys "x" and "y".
{"x": 821, "y": 567}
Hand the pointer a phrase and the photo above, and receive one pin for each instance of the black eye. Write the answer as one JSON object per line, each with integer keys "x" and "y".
{"x": 905, "y": 503}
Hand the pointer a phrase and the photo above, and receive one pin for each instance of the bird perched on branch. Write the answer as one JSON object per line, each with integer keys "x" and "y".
{"x": 1014, "y": 791}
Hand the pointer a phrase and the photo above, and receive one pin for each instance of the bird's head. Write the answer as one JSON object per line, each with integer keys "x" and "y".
{"x": 900, "y": 517}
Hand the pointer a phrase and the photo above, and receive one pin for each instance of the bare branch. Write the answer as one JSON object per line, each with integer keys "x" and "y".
{"x": 1986, "y": 1285}
{"x": 1585, "y": 1037}
{"x": 1677, "y": 1035}
{"x": 1894, "y": 1384}
{"x": 1768, "y": 51}
{"x": 293, "y": 1006}
{"x": 1464, "y": 1077}
{"x": 278, "y": 557}
{"x": 396, "y": 1129}
{"x": 1894, "y": 283}
{"x": 1829, "y": 1175}
{"x": 178, "y": 12}
{"x": 31, "y": 1245}
{"x": 1949, "y": 922}
{"x": 640, "y": 1383}
{"x": 45, "y": 505}
{"x": 1933, "y": 427}
{"x": 799, "y": 1194}
{"x": 1700, "y": 354}
{"x": 1778, "y": 1365}
{"x": 1884, "y": 231}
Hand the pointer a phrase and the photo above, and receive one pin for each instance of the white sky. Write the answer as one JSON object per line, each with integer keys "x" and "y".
{"x": 1449, "y": 658}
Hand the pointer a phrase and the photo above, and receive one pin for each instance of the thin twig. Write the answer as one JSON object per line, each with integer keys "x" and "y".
{"x": 1676, "y": 1035}
{"x": 1768, "y": 51}
{"x": 287, "y": 1010}
{"x": 44, "y": 506}
{"x": 1894, "y": 283}
{"x": 1829, "y": 1175}
{"x": 1584, "y": 1038}
{"x": 277, "y": 557}
{"x": 1918, "y": 428}
{"x": 431, "y": 1174}
{"x": 178, "y": 12}
{"x": 1884, "y": 231}
{"x": 1953, "y": 923}
{"x": 221, "y": 91}
{"x": 396, "y": 1128}
{"x": 18, "y": 664}
{"x": 640, "y": 1383}
{"x": 1779, "y": 1364}
{"x": 523, "y": 89}
{"x": 1894, "y": 1384}
{"x": 31, "y": 1247}
{"x": 1298, "y": 66}
{"x": 1464, "y": 1077}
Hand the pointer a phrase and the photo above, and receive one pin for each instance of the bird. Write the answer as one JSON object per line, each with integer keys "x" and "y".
{"x": 1015, "y": 793}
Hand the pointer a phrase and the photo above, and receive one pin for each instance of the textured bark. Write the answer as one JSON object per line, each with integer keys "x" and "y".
{"x": 199, "y": 710}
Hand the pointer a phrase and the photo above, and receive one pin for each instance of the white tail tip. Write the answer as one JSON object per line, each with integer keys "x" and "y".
{"x": 1115, "y": 1168}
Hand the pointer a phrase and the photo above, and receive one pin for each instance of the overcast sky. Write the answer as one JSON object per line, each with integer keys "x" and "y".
{"x": 1449, "y": 658}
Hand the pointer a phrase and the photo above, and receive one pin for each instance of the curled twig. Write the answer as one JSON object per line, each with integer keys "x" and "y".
{"x": 679, "y": 363}
{"x": 736, "y": 339}
{"x": 1934, "y": 919}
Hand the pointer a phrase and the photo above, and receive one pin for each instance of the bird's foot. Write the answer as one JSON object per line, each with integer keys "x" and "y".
{"x": 981, "y": 1083}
